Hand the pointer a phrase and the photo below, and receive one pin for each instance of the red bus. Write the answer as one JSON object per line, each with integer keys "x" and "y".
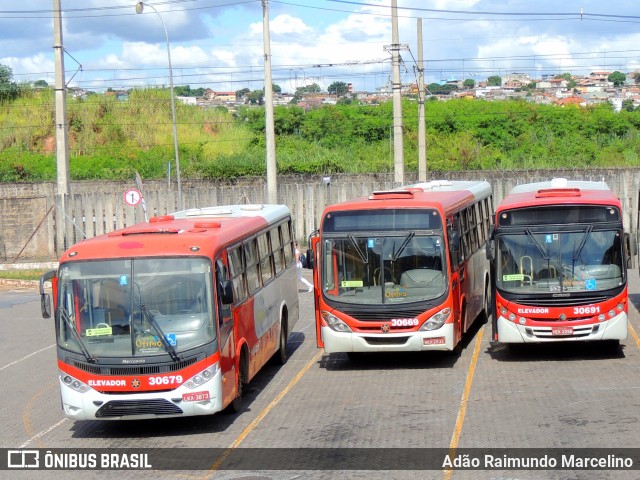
{"x": 172, "y": 317}
{"x": 402, "y": 270}
{"x": 559, "y": 259}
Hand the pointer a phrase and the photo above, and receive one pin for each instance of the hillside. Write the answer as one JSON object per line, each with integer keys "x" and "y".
{"x": 111, "y": 139}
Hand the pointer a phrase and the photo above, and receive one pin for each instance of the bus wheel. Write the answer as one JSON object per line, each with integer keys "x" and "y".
{"x": 236, "y": 405}
{"x": 486, "y": 307}
{"x": 282, "y": 355}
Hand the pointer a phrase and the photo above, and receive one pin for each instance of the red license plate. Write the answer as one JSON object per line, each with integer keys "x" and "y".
{"x": 433, "y": 341}
{"x": 562, "y": 331}
{"x": 195, "y": 396}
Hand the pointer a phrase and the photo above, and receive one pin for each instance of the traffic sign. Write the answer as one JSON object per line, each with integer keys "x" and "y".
{"x": 132, "y": 197}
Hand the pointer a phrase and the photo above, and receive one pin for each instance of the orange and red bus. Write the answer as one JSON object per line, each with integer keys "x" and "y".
{"x": 404, "y": 269}
{"x": 173, "y": 316}
{"x": 559, "y": 258}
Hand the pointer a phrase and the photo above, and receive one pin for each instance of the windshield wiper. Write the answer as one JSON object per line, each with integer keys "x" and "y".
{"x": 168, "y": 347}
{"x": 360, "y": 253}
{"x": 76, "y": 336}
{"x": 583, "y": 241}
{"x": 544, "y": 252}
{"x": 403, "y": 246}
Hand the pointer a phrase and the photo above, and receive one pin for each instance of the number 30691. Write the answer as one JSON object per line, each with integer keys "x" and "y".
{"x": 585, "y": 310}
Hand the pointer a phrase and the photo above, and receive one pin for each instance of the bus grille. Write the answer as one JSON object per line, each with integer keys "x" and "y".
{"x": 386, "y": 340}
{"x": 382, "y": 314}
{"x": 123, "y": 408}
{"x": 134, "y": 369}
{"x": 560, "y": 302}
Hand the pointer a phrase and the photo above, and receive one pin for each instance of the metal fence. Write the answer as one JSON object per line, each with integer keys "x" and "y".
{"x": 35, "y": 227}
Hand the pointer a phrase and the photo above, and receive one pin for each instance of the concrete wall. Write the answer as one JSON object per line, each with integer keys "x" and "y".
{"x": 29, "y": 216}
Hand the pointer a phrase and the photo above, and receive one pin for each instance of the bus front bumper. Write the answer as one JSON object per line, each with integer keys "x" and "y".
{"x": 612, "y": 329}
{"x": 94, "y": 405}
{"x": 440, "y": 339}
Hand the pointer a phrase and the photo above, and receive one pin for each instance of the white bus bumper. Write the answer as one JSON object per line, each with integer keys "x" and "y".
{"x": 612, "y": 329}
{"x": 85, "y": 406}
{"x": 440, "y": 339}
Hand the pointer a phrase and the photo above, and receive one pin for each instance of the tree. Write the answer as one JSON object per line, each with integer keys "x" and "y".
{"x": 313, "y": 88}
{"x": 636, "y": 77}
{"x": 494, "y": 81}
{"x": 628, "y": 105}
{"x": 182, "y": 90}
{"x": 338, "y": 89}
{"x": 8, "y": 89}
{"x": 618, "y": 78}
{"x": 240, "y": 94}
{"x": 40, "y": 84}
{"x": 437, "y": 89}
{"x": 256, "y": 97}
{"x": 276, "y": 88}
{"x": 186, "y": 91}
{"x": 469, "y": 83}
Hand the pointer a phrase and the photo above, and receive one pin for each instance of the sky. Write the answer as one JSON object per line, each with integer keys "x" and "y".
{"x": 218, "y": 44}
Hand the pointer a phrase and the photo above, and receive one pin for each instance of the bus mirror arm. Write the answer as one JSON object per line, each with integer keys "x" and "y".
{"x": 226, "y": 293}
{"x": 489, "y": 250}
{"x": 45, "y": 298}
{"x": 454, "y": 237}
{"x": 45, "y": 305}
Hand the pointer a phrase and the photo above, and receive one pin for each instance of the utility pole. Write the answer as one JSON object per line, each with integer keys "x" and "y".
{"x": 398, "y": 147}
{"x": 272, "y": 187}
{"x": 422, "y": 135}
{"x": 62, "y": 128}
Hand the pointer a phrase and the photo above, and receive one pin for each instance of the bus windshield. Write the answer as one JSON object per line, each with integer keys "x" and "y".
{"x": 401, "y": 268}
{"x": 559, "y": 261}
{"x": 122, "y": 308}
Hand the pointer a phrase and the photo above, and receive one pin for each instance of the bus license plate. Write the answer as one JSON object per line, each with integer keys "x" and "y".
{"x": 195, "y": 396}
{"x": 433, "y": 341}
{"x": 562, "y": 331}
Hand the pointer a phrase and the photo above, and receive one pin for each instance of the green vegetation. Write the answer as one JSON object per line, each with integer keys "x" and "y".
{"x": 111, "y": 138}
{"x": 22, "y": 274}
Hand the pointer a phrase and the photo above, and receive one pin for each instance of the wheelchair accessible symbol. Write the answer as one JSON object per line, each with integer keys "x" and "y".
{"x": 590, "y": 284}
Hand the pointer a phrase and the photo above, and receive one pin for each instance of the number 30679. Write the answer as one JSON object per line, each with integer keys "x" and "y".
{"x": 168, "y": 380}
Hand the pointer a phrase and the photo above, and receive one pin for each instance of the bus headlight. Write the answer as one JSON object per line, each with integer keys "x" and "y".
{"x": 335, "y": 323}
{"x": 201, "y": 378}
{"x": 73, "y": 383}
{"x": 436, "y": 321}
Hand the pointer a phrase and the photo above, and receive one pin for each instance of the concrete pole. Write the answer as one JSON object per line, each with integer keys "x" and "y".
{"x": 176, "y": 152}
{"x": 398, "y": 148}
{"x": 422, "y": 134}
{"x": 62, "y": 128}
{"x": 272, "y": 187}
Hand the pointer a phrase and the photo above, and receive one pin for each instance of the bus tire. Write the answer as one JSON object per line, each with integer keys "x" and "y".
{"x": 486, "y": 307}
{"x": 236, "y": 405}
{"x": 457, "y": 349}
{"x": 282, "y": 355}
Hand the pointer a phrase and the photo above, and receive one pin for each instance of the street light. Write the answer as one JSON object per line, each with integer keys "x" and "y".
{"x": 139, "y": 9}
